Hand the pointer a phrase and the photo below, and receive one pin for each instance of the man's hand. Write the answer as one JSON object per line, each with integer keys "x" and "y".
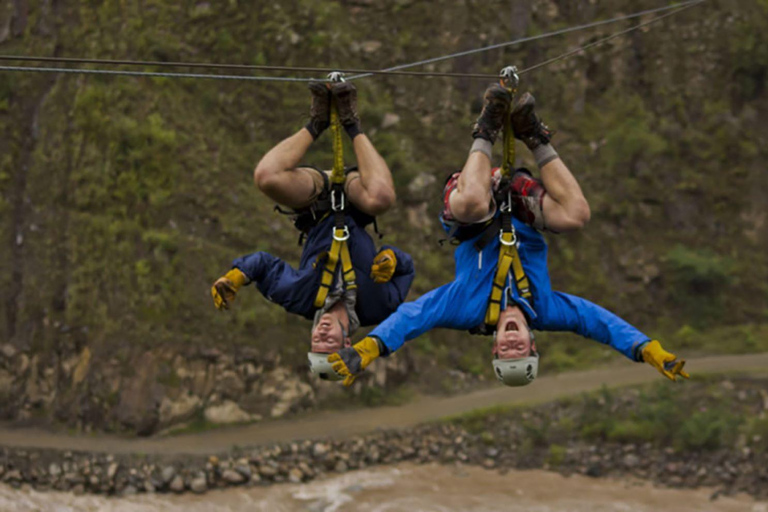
{"x": 350, "y": 362}
{"x": 665, "y": 362}
{"x": 226, "y": 287}
{"x": 383, "y": 267}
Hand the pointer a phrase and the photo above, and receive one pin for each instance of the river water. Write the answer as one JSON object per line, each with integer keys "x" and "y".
{"x": 405, "y": 487}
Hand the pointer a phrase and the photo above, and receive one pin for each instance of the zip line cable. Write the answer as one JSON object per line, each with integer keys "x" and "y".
{"x": 389, "y": 71}
{"x": 580, "y": 49}
{"x": 366, "y": 72}
{"x": 532, "y": 38}
{"x": 155, "y": 74}
{"x": 236, "y": 66}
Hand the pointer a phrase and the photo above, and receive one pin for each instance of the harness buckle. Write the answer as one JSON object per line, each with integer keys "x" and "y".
{"x": 338, "y": 202}
{"x": 512, "y": 242}
{"x": 343, "y": 237}
{"x": 336, "y": 76}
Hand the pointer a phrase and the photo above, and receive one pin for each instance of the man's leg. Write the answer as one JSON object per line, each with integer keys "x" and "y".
{"x": 276, "y": 174}
{"x": 565, "y": 207}
{"x": 471, "y": 200}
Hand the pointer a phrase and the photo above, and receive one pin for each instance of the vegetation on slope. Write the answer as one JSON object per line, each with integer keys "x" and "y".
{"x": 122, "y": 199}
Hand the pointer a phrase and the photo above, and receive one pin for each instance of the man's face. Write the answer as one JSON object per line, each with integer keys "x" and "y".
{"x": 513, "y": 338}
{"x": 328, "y": 335}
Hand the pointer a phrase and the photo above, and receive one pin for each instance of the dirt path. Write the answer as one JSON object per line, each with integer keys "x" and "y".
{"x": 346, "y": 423}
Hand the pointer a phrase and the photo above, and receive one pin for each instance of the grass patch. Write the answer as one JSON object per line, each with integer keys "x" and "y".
{"x": 708, "y": 413}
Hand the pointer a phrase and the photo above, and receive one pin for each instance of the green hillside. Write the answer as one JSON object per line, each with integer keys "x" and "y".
{"x": 122, "y": 199}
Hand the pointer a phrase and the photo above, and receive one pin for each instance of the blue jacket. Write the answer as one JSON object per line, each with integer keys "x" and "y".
{"x": 461, "y": 304}
{"x": 295, "y": 290}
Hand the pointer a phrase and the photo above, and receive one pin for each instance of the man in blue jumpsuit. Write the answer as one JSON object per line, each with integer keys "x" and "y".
{"x": 382, "y": 277}
{"x": 471, "y": 200}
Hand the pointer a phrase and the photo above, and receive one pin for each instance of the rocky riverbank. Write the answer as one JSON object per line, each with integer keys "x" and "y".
{"x": 148, "y": 391}
{"x": 732, "y": 460}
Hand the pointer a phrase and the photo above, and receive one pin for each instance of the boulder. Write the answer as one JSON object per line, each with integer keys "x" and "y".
{"x": 295, "y": 476}
{"x": 227, "y": 412}
{"x": 287, "y": 391}
{"x": 167, "y": 474}
{"x": 179, "y": 410}
{"x": 233, "y": 477}
{"x": 177, "y": 484}
{"x": 198, "y": 484}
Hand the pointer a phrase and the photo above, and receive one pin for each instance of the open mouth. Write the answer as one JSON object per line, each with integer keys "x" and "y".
{"x": 511, "y": 325}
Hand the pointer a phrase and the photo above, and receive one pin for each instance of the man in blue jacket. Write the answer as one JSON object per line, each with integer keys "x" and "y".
{"x": 382, "y": 278}
{"x": 524, "y": 299}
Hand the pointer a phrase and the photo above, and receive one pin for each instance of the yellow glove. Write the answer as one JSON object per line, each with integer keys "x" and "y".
{"x": 225, "y": 288}
{"x": 350, "y": 362}
{"x": 383, "y": 267}
{"x": 665, "y": 362}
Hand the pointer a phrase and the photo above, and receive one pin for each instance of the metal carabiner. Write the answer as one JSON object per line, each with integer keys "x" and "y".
{"x": 337, "y": 204}
{"x": 506, "y": 206}
{"x": 343, "y": 237}
{"x": 336, "y": 76}
{"x": 509, "y": 77}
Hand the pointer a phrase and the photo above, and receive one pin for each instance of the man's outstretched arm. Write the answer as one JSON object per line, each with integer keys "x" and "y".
{"x": 278, "y": 281}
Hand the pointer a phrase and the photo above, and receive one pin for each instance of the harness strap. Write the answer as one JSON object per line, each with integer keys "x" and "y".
{"x": 508, "y": 254}
{"x": 339, "y": 248}
{"x": 508, "y": 79}
{"x": 339, "y": 252}
{"x": 509, "y": 257}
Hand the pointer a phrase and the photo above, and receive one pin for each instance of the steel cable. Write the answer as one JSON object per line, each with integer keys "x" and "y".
{"x": 533, "y": 38}
{"x": 580, "y": 49}
{"x": 361, "y": 73}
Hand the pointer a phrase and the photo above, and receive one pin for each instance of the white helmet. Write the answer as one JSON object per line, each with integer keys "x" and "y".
{"x": 517, "y": 372}
{"x": 319, "y": 365}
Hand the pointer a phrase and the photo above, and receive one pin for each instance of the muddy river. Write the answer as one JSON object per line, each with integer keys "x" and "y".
{"x": 406, "y": 487}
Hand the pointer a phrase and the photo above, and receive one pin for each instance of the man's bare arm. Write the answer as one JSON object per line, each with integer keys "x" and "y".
{"x": 372, "y": 190}
{"x": 278, "y": 177}
{"x": 565, "y": 207}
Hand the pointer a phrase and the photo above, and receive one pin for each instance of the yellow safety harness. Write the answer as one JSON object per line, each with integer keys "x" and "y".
{"x": 339, "y": 249}
{"x": 508, "y": 254}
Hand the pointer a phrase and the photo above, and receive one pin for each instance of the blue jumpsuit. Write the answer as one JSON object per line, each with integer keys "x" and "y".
{"x": 461, "y": 304}
{"x": 295, "y": 289}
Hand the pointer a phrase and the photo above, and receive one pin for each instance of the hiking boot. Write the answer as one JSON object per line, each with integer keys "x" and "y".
{"x": 345, "y": 94}
{"x": 320, "y": 110}
{"x": 526, "y": 124}
{"x": 491, "y": 121}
